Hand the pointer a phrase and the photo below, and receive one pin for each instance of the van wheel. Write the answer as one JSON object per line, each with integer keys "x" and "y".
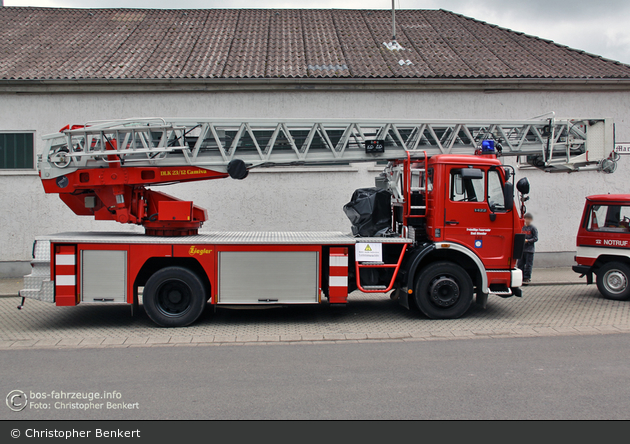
{"x": 174, "y": 297}
{"x": 613, "y": 281}
{"x": 444, "y": 291}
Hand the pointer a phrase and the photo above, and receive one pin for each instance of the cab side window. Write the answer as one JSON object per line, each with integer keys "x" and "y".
{"x": 430, "y": 180}
{"x": 465, "y": 188}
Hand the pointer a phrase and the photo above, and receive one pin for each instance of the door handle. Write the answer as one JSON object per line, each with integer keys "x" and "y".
{"x": 452, "y": 222}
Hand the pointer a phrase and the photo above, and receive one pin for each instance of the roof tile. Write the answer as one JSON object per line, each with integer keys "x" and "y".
{"x": 324, "y": 54}
{"x": 54, "y": 43}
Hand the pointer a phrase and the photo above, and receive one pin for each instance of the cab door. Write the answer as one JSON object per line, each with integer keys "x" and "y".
{"x": 475, "y": 214}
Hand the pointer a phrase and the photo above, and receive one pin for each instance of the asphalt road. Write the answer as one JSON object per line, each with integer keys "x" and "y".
{"x": 571, "y": 377}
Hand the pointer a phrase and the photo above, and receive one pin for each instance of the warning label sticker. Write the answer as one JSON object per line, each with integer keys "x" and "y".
{"x": 369, "y": 252}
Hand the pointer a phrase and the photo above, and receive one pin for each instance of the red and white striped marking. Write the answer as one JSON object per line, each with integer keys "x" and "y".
{"x": 65, "y": 275}
{"x": 338, "y": 276}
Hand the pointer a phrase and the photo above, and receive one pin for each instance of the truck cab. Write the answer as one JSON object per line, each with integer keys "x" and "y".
{"x": 472, "y": 204}
{"x": 603, "y": 244}
{"x": 467, "y": 241}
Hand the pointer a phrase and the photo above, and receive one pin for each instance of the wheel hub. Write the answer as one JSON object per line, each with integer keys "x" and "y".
{"x": 615, "y": 281}
{"x": 444, "y": 291}
{"x": 174, "y": 298}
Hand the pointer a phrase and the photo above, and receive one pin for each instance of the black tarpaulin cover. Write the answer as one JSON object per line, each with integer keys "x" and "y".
{"x": 370, "y": 212}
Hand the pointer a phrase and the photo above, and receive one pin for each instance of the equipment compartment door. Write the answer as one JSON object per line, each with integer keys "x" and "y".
{"x": 259, "y": 277}
{"x": 104, "y": 276}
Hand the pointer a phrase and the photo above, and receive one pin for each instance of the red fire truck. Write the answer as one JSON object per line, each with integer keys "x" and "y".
{"x": 603, "y": 244}
{"x": 440, "y": 227}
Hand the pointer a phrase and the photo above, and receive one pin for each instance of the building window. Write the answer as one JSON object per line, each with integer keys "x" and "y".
{"x": 16, "y": 151}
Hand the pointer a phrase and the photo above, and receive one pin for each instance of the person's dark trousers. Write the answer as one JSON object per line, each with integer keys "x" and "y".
{"x": 525, "y": 264}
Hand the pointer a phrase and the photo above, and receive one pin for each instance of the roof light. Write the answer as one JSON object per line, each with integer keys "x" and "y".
{"x": 487, "y": 146}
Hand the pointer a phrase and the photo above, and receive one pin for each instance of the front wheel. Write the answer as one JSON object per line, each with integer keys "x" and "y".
{"x": 174, "y": 297}
{"x": 613, "y": 281}
{"x": 444, "y": 291}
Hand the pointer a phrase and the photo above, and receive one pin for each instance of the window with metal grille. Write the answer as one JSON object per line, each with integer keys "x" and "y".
{"x": 16, "y": 151}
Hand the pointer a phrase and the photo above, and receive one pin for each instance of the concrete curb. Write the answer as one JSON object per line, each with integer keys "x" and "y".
{"x": 131, "y": 342}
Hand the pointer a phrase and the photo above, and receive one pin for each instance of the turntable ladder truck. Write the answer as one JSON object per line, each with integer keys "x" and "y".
{"x": 455, "y": 229}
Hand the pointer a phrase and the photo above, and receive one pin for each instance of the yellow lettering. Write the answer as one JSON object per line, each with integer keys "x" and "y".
{"x": 198, "y": 251}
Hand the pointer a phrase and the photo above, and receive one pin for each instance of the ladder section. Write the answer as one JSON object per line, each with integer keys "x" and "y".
{"x": 546, "y": 143}
{"x": 408, "y": 183}
{"x": 416, "y": 182}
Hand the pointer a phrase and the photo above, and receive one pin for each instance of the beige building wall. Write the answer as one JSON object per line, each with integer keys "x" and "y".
{"x": 295, "y": 199}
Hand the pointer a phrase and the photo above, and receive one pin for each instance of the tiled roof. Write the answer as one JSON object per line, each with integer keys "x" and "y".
{"x": 50, "y": 43}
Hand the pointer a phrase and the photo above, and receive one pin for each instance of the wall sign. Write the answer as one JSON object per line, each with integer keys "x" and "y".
{"x": 622, "y": 148}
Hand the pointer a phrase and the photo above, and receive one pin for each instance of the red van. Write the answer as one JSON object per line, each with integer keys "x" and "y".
{"x": 603, "y": 244}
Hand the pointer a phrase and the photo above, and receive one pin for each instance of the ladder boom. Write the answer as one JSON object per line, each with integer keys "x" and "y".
{"x": 546, "y": 143}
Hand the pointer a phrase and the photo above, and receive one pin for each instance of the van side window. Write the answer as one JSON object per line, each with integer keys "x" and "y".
{"x": 609, "y": 218}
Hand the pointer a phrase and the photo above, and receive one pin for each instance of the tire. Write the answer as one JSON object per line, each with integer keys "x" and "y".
{"x": 613, "y": 281}
{"x": 444, "y": 291}
{"x": 174, "y": 297}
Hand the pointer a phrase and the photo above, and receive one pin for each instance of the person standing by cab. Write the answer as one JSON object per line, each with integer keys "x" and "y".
{"x": 531, "y": 237}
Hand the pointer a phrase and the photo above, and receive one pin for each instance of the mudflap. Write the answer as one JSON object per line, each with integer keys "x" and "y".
{"x": 403, "y": 299}
{"x": 482, "y": 299}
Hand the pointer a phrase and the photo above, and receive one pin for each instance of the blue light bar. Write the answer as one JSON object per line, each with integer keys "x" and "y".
{"x": 487, "y": 146}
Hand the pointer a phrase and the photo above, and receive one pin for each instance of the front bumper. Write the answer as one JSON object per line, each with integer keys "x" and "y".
{"x": 516, "y": 278}
{"x": 584, "y": 270}
{"x": 581, "y": 269}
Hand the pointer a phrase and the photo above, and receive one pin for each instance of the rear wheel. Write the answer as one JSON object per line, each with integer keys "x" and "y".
{"x": 613, "y": 281}
{"x": 174, "y": 297}
{"x": 444, "y": 291}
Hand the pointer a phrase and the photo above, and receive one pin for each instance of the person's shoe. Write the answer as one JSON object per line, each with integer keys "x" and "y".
{"x": 526, "y": 281}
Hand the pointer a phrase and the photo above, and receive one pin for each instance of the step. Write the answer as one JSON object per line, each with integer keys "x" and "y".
{"x": 501, "y": 292}
{"x": 374, "y": 287}
{"x": 376, "y": 264}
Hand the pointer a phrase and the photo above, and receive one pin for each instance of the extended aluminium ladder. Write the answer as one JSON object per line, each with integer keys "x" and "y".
{"x": 546, "y": 143}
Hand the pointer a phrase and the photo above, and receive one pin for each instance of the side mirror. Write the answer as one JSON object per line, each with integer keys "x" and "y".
{"x": 508, "y": 193}
{"x": 523, "y": 186}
